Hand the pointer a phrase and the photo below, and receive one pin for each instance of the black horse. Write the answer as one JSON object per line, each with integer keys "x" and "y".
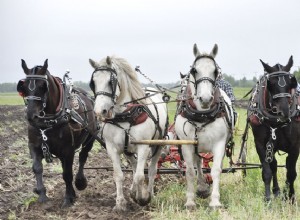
{"x": 274, "y": 117}
{"x": 60, "y": 120}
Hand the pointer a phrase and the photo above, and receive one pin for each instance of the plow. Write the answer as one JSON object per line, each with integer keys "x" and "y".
{"x": 172, "y": 154}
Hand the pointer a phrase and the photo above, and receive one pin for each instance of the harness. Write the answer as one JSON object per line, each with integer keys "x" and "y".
{"x": 70, "y": 101}
{"x": 219, "y": 107}
{"x": 134, "y": 114}
{"x": 261, "y": 112}
{"x": 187, "y": 107}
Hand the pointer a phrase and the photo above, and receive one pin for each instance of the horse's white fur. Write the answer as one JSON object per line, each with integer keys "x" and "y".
{"x": 114, "y": 137}
{"x": 212, "y": 138}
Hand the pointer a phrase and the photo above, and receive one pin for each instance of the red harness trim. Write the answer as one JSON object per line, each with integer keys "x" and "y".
{"x": 58, "y": 83}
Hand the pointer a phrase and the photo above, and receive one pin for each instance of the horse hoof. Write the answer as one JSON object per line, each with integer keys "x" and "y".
{"x": 190, "y": 206}
{"x": 81, "y": 183}
{"x": 276, "y": 192}
{"x": 67, "y": 203}
{"x": 144, "y": 202}
{"x": 203, "y": 194}
{"x": 215, "y": 205}
{"x": 43, "y": 199}
{"x": 119, "y": 209}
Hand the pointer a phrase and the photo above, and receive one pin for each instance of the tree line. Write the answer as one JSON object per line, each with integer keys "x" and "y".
{"x": 244, "y": 82}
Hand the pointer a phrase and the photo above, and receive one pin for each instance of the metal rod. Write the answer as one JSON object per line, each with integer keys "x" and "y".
{"x": 165, "y": 142}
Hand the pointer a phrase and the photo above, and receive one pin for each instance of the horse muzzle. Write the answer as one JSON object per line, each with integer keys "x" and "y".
{"x": 105, "y": 114}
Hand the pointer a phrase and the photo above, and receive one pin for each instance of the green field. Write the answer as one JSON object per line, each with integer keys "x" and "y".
{"x": 11, "y": 99}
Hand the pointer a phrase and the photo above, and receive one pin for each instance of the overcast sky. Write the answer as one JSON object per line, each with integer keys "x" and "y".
{"x": 157, "y": 35}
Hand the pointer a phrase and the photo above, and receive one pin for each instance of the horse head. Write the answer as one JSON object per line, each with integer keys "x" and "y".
{"x": 105, "y": 86}
{"x": 204, "y": 73}
{"x": 280, "y": 86}
{"x": 35, "y": 90}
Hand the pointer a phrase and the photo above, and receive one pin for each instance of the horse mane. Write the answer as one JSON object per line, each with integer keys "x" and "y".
{"x": 127, "y": 78}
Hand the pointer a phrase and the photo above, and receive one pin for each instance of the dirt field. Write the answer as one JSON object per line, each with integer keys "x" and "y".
{"x": 17, "y": 200}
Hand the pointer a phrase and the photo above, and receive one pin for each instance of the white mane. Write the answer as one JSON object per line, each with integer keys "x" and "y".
{"x": 127, "y": 78}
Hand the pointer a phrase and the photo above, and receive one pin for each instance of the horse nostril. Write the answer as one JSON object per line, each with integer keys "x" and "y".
{"x": 104, "y": 112}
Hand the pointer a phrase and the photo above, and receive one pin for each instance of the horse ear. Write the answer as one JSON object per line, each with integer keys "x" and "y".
{"x": 93, "y": 63}
{"x": 196, "y": 51}
{"x": 108, "y": 60}
{"x": 45, "y": 67}
{"x": 267, "y": 68}
{"x": 214, "y": 51}
{"x": 24, "y": 66}
{"x": 289, "y": 65}
{"x": 182, "y": 75}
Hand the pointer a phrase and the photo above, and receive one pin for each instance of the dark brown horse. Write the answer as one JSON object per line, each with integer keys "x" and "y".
{"x": 60, "y": 120}
{"x": 274, "y": 117}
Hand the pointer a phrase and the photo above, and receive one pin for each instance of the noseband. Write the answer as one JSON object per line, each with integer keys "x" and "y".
{"x": 113, "y": 82}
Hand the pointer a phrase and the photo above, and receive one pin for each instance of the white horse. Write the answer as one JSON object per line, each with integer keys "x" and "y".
{"x": 201, "y": 118}
{"x": 114, "y": 83}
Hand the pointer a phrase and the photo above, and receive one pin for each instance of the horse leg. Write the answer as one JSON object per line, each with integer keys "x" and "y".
{"x": 291, "y": 175}
{"x": 267, "y": 177}
{"x": 37, "y": 168}
{"x": 80, "y": 179}
{"x": 121, "y": 203}
{"x": 133, "y": 162}
{"x": 188, "y": 152}
{"x": 202, "y": 187}
{"x": 153, "y": 168}
{"x": 216, "y": 170}
{"x": 138, "y": 192}
{"x": 266, "y": 170}
{"x": 67, "y": 165}
{"x": 276, "y": 188}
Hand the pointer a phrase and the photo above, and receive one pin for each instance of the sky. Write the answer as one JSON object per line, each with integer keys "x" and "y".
{"x": 157, "y": 35}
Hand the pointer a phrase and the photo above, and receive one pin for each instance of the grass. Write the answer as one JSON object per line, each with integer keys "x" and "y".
{"x": 11, "y": 99}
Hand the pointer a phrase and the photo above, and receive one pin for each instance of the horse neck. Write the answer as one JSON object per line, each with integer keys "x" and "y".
{"x": 130, "y": 92}
{"x": 53, "y": 98}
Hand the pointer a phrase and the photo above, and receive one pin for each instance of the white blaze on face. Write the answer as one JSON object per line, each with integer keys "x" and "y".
{"x": 103, "y": 103}
{"x": 205, "y": 68}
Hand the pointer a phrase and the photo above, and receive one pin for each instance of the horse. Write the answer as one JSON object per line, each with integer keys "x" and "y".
{"x": 273, "y": 114}
{"x": 206, "y": 116}
{"x": 126, "y": 113}
{"x": 60, "y": 120}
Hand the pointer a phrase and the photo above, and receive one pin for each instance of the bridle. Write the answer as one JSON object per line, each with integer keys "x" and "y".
{"x": 32, "y": 87}
{"x": 193, "y": 71}
{"x": 281, "y": 82}
{"x": 113, "y": 82}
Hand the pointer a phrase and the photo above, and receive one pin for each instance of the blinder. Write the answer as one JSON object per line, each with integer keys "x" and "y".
{"x": 20, "y": 87}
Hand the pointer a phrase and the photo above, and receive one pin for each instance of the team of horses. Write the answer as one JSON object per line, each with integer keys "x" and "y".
{"x": 62, "y": 118}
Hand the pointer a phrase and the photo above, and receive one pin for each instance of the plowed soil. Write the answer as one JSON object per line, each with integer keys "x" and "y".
{"x": 17, "y": 199}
